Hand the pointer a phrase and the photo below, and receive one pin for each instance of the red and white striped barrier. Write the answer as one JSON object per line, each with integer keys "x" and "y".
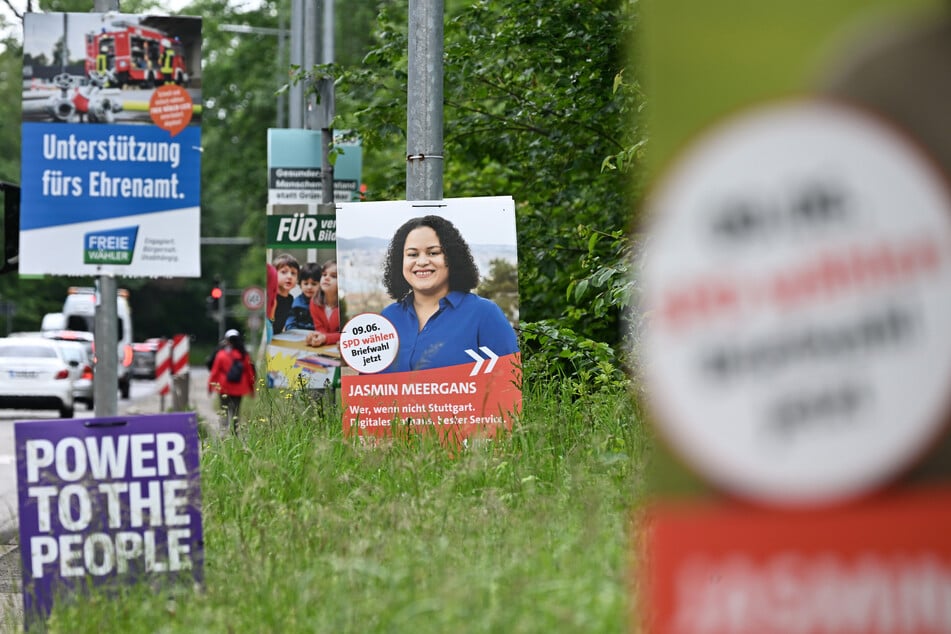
{"x": 163, "y": 367}
{"x": 179, "y": 355}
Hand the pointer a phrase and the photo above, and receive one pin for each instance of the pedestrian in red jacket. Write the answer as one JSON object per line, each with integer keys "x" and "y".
{"x": 232, "y": 376}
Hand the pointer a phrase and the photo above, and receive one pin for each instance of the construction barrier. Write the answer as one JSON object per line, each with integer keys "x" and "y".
{"x": 163, "y": 367}
{"x": 179, "y": 355}
{"x": 180, "y": 373}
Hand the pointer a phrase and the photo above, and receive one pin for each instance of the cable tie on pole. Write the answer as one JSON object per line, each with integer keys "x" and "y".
{"x": 423, "y": 157}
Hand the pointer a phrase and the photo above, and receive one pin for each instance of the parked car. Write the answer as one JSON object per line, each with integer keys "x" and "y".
{"x": 80, "y": 367}
{"x": 143, "y": 358}
{"x": 35, "y": 375}
{"x": 83, "y": 337}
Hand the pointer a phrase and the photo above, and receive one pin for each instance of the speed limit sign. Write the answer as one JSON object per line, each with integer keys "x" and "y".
{"x": 253, "y": 298}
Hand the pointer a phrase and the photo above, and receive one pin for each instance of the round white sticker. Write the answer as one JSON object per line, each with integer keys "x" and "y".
{"x": 368, "y": 343}
{"x": 797, "y": 286}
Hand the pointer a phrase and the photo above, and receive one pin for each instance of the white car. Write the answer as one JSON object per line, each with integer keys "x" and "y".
{"x": 80, "y": 367}
{"x": 35, "y": 375}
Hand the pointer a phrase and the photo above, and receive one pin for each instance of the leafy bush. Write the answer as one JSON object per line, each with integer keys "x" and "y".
{"x": 539, "y": 105}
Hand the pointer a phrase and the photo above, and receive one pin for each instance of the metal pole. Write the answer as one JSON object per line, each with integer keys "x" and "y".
{"x": 107, "y": 348}
{"x": 222, "y": 311}
{"x": 424, "y": 143}
{"x": 323, "y": 115}
{"x": 296, "y": 96}
{"x": 311, "y": 32}
{"x": 326, "y": 113}
{"x": 281, "y": 64}
{"x": 328, "y": 41}
{"x": 106, "y": 331}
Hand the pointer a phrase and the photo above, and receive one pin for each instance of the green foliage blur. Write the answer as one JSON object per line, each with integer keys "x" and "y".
{"x": 542, "y": 103}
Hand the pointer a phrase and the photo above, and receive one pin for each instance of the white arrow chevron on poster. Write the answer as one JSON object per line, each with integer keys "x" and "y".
{"x": 479, "y": 360}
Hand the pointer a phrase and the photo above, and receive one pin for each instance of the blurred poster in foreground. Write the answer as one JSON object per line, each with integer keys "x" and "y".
{"x": 795, "y": 293}
{"x": 431, "y": 293}
{"x": 881, "y": 565}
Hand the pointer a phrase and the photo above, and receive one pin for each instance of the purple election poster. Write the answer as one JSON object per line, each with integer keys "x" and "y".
{"x": 107, "y": 500}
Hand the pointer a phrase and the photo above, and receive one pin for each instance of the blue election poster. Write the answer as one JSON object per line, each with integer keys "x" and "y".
{"x": 111, "y": 158}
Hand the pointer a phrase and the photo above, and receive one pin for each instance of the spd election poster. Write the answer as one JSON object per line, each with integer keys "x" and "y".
{"x": 794, "y": 293}
{"x": 428, "y": 338}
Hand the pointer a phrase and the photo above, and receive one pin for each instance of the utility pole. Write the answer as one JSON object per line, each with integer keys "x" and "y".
{"x": 322, "y": 108}
{"x": 105, "y": 387}
{"x": 296, "y": 91}
{"x": 424, "y": 142}
{"x": 222, "y": 315}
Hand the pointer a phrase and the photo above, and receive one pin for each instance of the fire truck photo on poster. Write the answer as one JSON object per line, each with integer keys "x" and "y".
{"x": 429, "y": 333}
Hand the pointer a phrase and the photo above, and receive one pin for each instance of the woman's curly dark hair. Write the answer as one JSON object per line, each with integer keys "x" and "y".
{"x": 463, "y": 272}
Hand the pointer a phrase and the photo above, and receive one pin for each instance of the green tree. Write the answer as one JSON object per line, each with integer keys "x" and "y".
{"x": 11, "y": 73}
{"x": 540, "y": 103}
{"x": 60, "y": 54}
{"x": 501, "y": 286}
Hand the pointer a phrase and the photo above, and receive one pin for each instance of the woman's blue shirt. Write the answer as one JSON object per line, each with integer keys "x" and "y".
{"x": 463, "y": 321}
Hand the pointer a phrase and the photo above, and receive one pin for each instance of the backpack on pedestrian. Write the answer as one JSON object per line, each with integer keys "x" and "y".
{"x": 236, "y": 371}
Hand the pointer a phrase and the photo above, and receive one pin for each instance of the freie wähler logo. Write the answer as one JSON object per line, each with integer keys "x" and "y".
{"x": 110, "y": 247}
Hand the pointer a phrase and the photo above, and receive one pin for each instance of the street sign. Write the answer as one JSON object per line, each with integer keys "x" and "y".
{"x": 295, "y": 167}
{"x": 253, "y": 298}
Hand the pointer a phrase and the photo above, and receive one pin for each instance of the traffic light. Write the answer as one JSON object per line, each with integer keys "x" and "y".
{"x": 214, "y": 297}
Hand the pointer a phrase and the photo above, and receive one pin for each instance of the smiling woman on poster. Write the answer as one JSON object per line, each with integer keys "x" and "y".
{"x": 430, "y": 272}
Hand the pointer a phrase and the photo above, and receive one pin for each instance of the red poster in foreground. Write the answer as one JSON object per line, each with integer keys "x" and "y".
{"x": 455, "y": 402}
{"x": 882, "y": 565}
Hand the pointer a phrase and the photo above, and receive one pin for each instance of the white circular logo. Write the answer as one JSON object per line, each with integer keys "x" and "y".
{"x": 797, "y": 286}
{"x": 368, "y": 343}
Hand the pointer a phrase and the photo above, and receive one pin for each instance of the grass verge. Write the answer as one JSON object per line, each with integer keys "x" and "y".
{"x": 307, "y": 531}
